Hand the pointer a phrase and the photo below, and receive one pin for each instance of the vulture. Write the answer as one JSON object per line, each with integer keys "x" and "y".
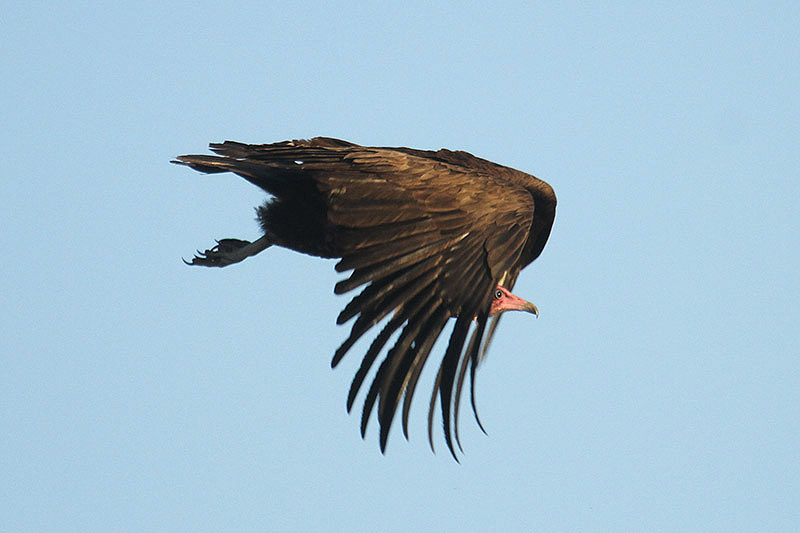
{"x": 430, "y": 236}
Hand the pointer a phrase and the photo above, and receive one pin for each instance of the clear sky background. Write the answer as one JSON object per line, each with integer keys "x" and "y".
{"x": 658, "y": 391}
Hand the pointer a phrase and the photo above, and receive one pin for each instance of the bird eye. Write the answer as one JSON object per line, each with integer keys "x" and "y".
{"x": 498, "y": 294}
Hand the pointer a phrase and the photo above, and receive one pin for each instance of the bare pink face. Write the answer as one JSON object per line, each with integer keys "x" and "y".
{"x": 503, "y": 300}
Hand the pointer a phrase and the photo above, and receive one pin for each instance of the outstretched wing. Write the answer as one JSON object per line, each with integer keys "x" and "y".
{"x": 428, "y": 240}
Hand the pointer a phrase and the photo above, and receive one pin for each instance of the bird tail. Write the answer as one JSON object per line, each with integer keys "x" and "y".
{"x": 270, "y": 166}
{"x": 263, "y": 175}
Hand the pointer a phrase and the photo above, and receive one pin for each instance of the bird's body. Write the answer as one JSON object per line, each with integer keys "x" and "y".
{"x": 432, "y": 235}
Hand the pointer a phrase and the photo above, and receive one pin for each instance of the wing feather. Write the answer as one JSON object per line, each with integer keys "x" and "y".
{"x": 370, "y": 315}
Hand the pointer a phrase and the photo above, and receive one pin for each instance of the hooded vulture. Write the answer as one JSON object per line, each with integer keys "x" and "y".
{"x": 430, "y": 236}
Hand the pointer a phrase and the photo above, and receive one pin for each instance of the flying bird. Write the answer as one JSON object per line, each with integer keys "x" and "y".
{"x": 430, "y": 236}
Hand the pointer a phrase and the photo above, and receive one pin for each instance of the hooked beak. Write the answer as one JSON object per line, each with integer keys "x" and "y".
{"x": 528, "y": 307}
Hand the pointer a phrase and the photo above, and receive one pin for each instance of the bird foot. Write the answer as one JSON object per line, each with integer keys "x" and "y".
{"x": 228, "y": 252}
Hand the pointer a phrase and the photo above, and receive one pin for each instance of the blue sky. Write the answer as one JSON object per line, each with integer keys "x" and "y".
{"x": 658, "y": 391}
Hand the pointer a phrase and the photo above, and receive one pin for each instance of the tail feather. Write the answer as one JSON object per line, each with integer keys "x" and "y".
{"x": 261, "y": 174}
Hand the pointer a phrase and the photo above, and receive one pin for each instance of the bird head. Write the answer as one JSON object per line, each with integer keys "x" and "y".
{"x": 503, "y": 300}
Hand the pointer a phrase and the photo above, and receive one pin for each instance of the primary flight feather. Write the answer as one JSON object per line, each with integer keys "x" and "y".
{"x": 430, "y": 235}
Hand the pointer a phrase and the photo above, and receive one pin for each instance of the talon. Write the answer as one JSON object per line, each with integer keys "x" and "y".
{"x": 228, "y": 251}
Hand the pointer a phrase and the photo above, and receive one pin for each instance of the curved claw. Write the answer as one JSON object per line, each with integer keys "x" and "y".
{"x": 228, "y": 251}
{"x": 222, "y": 254}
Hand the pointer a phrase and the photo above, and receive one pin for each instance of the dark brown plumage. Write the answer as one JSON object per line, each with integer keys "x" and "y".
{"x": 430, "y": 234}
